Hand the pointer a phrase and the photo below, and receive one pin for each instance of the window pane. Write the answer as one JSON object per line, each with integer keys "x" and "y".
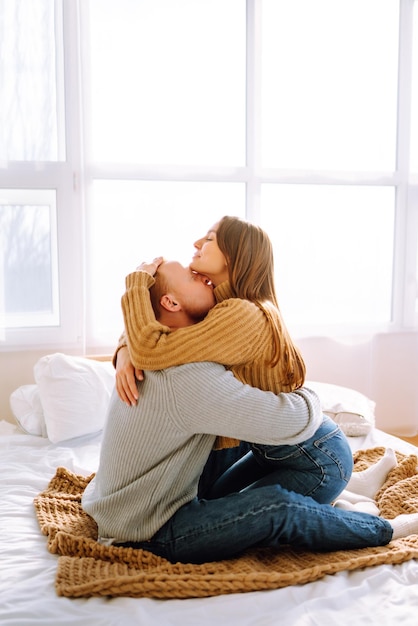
{"x": 29, "y": 109}
{"x": 333, "y": 252}
{"x": 135, "y": 221}
{"x": 28, "y": 259}
{"x": 168, "y": 81}
{"x": 329, "y": 84}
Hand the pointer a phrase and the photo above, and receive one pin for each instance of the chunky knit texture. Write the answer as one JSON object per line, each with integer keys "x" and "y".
{"x": 235, "y": 333}
{"x": 87, "y": 568}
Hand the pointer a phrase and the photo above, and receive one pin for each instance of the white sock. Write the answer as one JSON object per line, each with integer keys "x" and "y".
{"x": 404, "y": 525}
{"x": 362, "y": 505}
{"x": 354, "y": 497}
{"x": 369, "y": 481}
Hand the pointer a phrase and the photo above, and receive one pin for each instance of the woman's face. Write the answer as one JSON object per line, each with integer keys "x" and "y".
{"x": 208, "y": 259}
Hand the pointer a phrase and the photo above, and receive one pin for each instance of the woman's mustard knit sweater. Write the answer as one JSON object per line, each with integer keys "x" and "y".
{"x": 235, "y": 333}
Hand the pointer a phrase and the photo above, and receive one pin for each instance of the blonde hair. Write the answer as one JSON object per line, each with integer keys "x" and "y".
{"x": 249, "y": 256}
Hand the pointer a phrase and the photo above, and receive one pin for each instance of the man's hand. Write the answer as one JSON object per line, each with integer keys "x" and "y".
{"x": 152, "y": 267}
{"x": 125, "y": 377}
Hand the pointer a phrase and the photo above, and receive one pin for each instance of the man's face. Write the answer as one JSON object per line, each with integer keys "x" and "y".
{"x": 189, "y": 289}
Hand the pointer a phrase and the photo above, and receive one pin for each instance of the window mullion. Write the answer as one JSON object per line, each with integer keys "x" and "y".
{"x": 403, "y": 302}
{"x": 253, "y": 110}
{"x": 70, "y": 197}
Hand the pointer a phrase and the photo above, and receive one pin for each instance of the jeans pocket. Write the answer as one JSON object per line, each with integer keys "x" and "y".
{"x": 276, "y": 454}
{"x": 319, "y": 467}
{"x": 334, "y": 447}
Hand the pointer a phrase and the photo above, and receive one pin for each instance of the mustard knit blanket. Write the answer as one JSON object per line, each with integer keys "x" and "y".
{"x": 87, "y": 568}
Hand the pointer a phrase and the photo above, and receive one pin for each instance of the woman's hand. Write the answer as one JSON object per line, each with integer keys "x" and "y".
{"x": 152, "y": 267}
{"x": 126, "y": 376}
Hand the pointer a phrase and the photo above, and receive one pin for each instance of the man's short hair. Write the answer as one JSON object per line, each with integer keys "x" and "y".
{"x": 157, "y": 291}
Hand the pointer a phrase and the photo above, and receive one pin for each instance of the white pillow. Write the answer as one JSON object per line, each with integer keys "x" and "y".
{"x": 350, "y": 409}
{"x": 27, "y": 409}
{"x": 74, "y": 394}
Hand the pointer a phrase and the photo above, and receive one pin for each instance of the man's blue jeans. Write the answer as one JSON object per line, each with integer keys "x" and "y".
{"x": 258, "y": 495}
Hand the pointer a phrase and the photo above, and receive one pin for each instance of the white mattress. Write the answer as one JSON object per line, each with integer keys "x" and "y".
{"x": 381, "y": 595}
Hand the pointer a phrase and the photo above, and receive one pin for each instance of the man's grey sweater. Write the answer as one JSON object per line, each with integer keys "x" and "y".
{"x": 153, "y": 453}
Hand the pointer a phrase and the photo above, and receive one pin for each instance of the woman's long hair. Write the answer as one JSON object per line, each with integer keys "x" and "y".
{"x": 249, "y": 256}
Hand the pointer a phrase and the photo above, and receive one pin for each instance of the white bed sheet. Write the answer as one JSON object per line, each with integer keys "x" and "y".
{"x": 381, "y": 595}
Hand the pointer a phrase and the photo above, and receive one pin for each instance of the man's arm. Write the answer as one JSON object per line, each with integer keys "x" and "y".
{"x": 209, "y": 399}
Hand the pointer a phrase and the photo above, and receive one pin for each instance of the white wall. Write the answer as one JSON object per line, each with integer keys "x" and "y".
{"x": 384, "y": 367}
{"x": 16, "y": 369}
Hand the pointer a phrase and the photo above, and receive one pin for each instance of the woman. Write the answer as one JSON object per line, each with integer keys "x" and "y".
{"x": 245, "y": 332}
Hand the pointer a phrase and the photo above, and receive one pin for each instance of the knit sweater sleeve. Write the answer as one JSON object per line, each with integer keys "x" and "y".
{"x": 233, "y": 409}
{"x": 228, "y": 335}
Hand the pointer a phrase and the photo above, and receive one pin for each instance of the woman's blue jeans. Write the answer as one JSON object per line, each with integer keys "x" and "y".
{"x": 259, "y": 495}
{"x": 319, "y": 467}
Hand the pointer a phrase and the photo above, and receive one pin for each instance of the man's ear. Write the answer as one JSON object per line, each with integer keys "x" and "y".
{"x": 169, "y": 303}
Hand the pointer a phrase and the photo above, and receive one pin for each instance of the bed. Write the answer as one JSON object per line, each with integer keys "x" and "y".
{"x": 33, "y": 449}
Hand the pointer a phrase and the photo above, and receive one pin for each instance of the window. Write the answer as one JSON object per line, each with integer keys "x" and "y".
{"x": 414, "y": 106}
{"x": 28, "y": 239}
{"x": 175, "y": 71}
{"x": 128, "y": 128}
{"x": 41, "y": 238}
{"x": 32, "y": 111}
{"x": 328, "y": 96}
{"x": 344, "y": 274}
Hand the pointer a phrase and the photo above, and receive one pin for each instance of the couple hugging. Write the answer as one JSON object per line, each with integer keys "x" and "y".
{"x": 212, "y": 444}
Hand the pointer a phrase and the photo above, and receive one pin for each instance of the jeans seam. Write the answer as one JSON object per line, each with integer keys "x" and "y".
{"x": 385, "y": 526}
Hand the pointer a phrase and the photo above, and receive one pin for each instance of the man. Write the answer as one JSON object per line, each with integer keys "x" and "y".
{"x": 180, "y": 297}
{"x": 159, "y": 485}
